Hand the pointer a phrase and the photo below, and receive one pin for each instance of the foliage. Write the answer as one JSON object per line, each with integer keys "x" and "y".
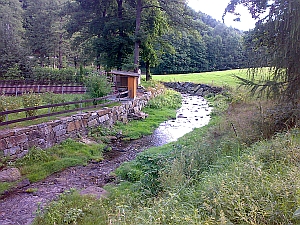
{"x": 97, "y": 85}
{"x": 8, "y": 103}
{"x": 55, "y": 76}
{"x": 209, "y": 47}
{"x": 31, "y": 100}
{"x": 12, "y": 51}
{"x": 77, "y": 207}
{"x": 277, "y": 34}
{"x": 168, "y": 99}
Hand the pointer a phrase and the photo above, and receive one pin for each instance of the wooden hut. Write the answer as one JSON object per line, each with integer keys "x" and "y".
{"x": 126, "y": 80}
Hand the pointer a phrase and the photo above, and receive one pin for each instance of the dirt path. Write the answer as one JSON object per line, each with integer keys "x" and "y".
{"x": 19, "y": 207}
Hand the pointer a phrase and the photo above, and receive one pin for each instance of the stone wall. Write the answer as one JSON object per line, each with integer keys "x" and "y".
{"x": 193, "y": 89}
{"x": 15, "y": 143}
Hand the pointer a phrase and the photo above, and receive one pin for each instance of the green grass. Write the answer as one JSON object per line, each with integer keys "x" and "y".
{"x": 38, "y": 163}
{"x": 215, "y": 78}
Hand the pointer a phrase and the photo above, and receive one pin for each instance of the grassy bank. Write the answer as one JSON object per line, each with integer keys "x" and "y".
{"x": 225, "y": 173}
{"x": 38, "y": 163}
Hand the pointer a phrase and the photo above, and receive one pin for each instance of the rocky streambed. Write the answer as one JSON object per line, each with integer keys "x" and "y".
{"x": 20, "y": 205}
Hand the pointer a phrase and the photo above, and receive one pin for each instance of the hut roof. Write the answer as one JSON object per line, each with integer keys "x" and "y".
{"x": 124, "y": 73}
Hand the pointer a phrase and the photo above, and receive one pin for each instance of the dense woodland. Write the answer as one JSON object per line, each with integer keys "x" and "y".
{"x": 166, "y": 36}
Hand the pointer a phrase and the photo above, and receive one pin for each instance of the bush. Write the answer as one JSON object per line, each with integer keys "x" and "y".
{"x": 62, "y": 76}
{"x": 31, "y": 100}
{"x": 97, "y": 86}
{"x": 169, "y": 99}
{"x": 8, "y": 103}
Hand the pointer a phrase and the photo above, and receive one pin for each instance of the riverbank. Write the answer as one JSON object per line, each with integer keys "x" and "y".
{"x": 223, "y": 173}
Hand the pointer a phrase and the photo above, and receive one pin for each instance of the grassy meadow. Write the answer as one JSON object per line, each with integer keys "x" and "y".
{"x": 215, "y": 78}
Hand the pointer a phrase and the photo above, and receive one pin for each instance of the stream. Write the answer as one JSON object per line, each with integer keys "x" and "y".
{"x": 19, "y": 206}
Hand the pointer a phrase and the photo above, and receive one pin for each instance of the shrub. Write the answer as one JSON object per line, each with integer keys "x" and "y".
{"x": 49, "y": 75}
{"x": 8, "y": 103}
{"x": 31, "y": 100}
{"x": 169, "y": 99}
{"x": 97, "y": 86}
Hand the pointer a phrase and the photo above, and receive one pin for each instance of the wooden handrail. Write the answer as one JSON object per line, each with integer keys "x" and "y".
{"x": 56, "y": 105}
{"x": 53, "y": 114}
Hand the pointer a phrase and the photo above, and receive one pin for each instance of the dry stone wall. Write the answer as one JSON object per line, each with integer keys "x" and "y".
{"x": 193, "y": 89}
{"x": 15, "y": 143}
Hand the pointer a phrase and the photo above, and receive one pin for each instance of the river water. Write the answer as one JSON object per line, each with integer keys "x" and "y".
{"x": 194, "y": 113}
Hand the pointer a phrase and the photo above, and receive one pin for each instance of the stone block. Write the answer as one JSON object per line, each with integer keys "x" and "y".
{"x": 3, "y": 144}
{"x": 92, "y": 123}
{"x": 78, "y": 124}
{"x": 10, "y": 175}
{"x": 71, "y": 127}
{"x": 15, "y": 140}
{"x": 33, "y": 134}
{"x": 6, "y": 133}
{"x": 12, "y": 151}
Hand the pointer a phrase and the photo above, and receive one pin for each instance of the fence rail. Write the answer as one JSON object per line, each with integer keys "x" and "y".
{"x": 8, "y": 89}
{"x": 95, "y": 105}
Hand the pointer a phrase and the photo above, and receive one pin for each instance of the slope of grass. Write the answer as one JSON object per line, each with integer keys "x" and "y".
{"x": 215, "y": 78}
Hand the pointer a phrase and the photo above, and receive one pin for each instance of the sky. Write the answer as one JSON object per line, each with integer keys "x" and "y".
{"x": 215, "y": 8}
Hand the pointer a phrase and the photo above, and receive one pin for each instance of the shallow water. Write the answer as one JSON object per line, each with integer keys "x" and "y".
{"x": 194, "y": 113}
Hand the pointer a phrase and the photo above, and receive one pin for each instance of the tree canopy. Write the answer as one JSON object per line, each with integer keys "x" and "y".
{"x": 277, "y": 34}
{"x": 162, "y": 36}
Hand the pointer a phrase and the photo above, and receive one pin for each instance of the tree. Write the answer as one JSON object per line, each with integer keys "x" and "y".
{"x": 105, "y": 28}
{"x": 12, "y": 51}
{"x": 44, "y": 31}
{"x": 174, "y": 10}
{"x": 278, "y": 33}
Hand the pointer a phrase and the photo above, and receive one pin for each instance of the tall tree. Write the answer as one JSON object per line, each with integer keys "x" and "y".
{"x": 12, "y": 52}
{"x": 44, "y": 31}
{"x": 279, "y": 34}
{"x": 105, "y": 27}
{"x": 174, "y": 10}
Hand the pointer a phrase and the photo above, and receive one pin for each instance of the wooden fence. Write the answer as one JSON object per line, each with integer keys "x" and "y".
{"x": 114, "y": 98}
{"x": 19, "y": 89}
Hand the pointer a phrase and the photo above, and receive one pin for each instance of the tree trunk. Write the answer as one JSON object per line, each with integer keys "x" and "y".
{"x": 121, "y": 33}
{"x": 137, "y": 35}
{"x": 60, "y": 61}
{"x": 148, "y": 73}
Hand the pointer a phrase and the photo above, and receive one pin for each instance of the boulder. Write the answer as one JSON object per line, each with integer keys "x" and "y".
{"x": 10, "y": 175}
{"x": 97, "y": 192}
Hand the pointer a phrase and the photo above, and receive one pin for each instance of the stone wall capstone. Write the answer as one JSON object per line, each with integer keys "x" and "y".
{"x": 15, "y": 143}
